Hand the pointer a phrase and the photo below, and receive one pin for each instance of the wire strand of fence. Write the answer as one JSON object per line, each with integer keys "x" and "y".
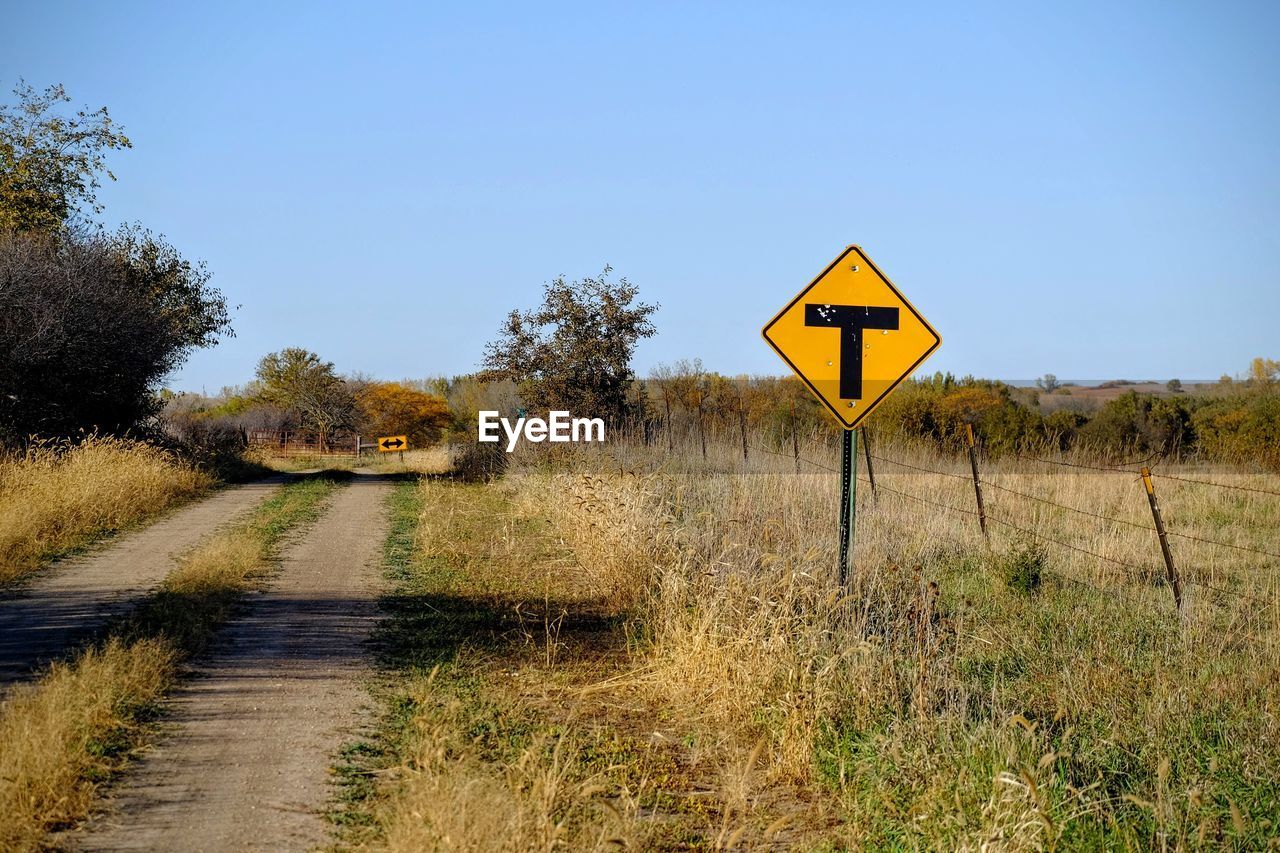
{"x": 1147, "y": 572}
{"x": 791, "y": 456}
{"x": 881, "y": 486}
{"x": 964, "y": 477}
{"x": 1247, "y": 548}
{"x": 1039, "y": 499}
{"x": 1133, "y": 571}
{"x": 1121, "y": 591}
{"x": 1218, "y": 485}
{"x": 1223, "y": 590}
{"x": 1065, "y": 464}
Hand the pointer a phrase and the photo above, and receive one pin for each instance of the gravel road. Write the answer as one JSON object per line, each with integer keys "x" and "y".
{"x": 73, "y": 598}
{"x": 253, "y": 731}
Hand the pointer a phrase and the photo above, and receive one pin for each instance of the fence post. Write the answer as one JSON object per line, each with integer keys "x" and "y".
{"x": 977, "y": 483}
{"x": 742, "y": 425}
{"x": 795, "y": 439}
{"x": 871, "y": 472}
{"x": 1169, "y": 568}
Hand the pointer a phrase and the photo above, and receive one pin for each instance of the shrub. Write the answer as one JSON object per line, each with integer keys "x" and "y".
{"x": 1024, "y": 568}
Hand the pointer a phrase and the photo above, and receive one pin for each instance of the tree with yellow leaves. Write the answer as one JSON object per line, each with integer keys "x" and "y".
{"x": 389, "y": 408}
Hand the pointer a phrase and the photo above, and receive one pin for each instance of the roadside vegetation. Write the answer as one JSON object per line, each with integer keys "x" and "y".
{"x": 72, "y": 729}
{"x": 644, "y": 646}
{"x": 58, "y": 497}
{"x": 648, "y": 650}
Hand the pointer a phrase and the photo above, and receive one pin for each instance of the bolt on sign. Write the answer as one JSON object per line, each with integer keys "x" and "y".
{"x": 390, "y": 443}
{"x": 851, "y": 336}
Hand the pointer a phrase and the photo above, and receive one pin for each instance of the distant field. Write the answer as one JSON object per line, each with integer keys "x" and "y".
{"x": 1090, "y": 397}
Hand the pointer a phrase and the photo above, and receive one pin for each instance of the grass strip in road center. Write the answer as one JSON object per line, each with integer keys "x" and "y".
{"x": 73, "y": 728}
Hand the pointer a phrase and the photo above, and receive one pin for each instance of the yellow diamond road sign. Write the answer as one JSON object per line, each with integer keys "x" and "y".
{"x": 851, "y": 336}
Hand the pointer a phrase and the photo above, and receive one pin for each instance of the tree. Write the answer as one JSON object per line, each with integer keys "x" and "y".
{"x": 389, "y": 408}
{"x": 662, "y": 379}
{"x": 689, "y": 385}
{"x": 298, "y": 379}
{"x": 1174, "y": 386}
{"x": 1048, "y": 383}
{"x": 574, "y": 352}
{"x": 1264, "y": 371}
{"x": 50, "y": 161}
{"x": 91, "y": 324}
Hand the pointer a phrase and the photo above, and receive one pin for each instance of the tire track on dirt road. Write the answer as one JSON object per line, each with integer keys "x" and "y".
{"x": 76, "y": 596}
{"x": 255, "y": 727}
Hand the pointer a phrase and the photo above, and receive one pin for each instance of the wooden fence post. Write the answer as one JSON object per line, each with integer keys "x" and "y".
{"x": 1170, "y": 571}
{"x": 871, "y": 472}
{"x": 977, "y": 483}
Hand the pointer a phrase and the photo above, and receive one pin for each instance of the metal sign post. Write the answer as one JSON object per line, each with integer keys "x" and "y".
{"x": 851, "y": 337}
{"x": 848, "y": 502}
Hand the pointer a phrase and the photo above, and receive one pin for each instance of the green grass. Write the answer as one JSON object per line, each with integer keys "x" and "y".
{"x": 1099, "y": 783}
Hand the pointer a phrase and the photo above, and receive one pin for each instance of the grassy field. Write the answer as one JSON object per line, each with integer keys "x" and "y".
{"x": 56, "y": 498}
{"x": 73, "y": 728}
{"x": 647, "y": 650}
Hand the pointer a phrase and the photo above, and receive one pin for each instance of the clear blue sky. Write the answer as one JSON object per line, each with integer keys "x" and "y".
{"x": 1088, "y": 189}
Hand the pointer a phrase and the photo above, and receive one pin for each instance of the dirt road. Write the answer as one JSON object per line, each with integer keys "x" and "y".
{"x": 75, "y": 597}
{"x": 254, "y": 730}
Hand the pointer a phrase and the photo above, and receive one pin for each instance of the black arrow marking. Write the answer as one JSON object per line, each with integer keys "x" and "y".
{"x": 395, "y": 443}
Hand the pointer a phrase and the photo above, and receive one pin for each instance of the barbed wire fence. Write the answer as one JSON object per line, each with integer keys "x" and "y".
{"x": 990, "y": 508}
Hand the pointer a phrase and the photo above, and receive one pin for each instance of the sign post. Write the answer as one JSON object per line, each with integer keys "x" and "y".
{"x": 852, "y": 338}
{"x": 848, "y": 499}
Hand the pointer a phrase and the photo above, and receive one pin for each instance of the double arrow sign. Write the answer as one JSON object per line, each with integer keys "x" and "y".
{"x": 389, "y": 443}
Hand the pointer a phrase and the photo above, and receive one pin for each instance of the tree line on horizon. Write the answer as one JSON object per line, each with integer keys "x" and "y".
{"x": 92, "y": 322}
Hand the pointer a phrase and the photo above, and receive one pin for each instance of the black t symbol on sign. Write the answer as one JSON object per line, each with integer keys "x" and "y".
{"x": 851, "y": 320}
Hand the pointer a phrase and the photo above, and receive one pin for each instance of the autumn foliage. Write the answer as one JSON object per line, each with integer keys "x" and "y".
{"x": 389, "y": 408}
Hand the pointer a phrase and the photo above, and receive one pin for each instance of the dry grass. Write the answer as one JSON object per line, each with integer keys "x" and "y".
{"x": 488, "y": 742}
{"x": 57, "y": 498}
{"x": 484, "y": 600}
{"x": 939, "y": 705}
{"x": 66, "y": 733}
{"x": 1018, "y": 695}
{"x": 429, "y": 460}
{"x": 541, "y": 795}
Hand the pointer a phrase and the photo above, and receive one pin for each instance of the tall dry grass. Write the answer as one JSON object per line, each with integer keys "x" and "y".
{"x": 64, "y": 736}
{"x": 426, "y": 460}
{"x": 483, "y": 590}
{"x": 541, "y": 797}
{"x": 942, "y": 704}
{"x": 57, "y": 497}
